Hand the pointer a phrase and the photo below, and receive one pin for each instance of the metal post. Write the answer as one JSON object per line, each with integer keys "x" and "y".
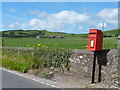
{"x": 103, "y": 26}
{"x": 99, "y": 75}
{"x": 93, "y": 71}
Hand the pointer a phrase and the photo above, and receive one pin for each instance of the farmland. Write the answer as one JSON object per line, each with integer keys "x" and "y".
{"x": 67, "y": 43}
{"x": 54, "y": 54}
{"x": 25, "y": 38}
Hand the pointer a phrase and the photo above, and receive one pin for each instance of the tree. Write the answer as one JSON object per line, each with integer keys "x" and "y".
{"x": 11, "y": 34}
{"x": 40, "y": 33}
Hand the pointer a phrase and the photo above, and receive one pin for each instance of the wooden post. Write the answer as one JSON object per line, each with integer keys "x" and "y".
{"x": 2, "y": 42}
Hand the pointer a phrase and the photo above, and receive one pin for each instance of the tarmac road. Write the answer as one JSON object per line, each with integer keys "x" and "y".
{"x": 119, "y": 43}
{"x": 10, "y": 80}
{"x": 119, "y": 47}
{"x": 119, "y": 50}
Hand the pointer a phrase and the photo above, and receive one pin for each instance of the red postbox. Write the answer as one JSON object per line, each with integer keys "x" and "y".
{"x": 95, "y": 40}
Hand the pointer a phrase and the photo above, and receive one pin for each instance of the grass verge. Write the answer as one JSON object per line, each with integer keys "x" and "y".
{"x": 24, "y": 59}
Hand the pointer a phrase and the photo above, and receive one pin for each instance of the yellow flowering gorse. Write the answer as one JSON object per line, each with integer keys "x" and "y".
{"x": 28, "y": 45}
{"x": 39, "y": 45}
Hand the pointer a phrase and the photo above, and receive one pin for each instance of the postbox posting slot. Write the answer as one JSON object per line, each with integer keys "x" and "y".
{"x": 92, "y": 33}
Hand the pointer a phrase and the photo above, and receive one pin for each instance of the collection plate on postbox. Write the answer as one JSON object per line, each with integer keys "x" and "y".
{"x": 95, "y": 40}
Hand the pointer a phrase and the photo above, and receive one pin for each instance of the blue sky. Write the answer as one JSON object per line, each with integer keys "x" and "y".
{"x": 69, "y": 17}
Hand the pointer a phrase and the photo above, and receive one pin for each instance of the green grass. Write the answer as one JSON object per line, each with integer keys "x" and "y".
{"x": 110, "y": 43}
{"x": 113, "y": 33}
{"x": 71, "y": 41}
{"x": 67, "y": 43}
{"x": 24, "y": 59}
{"x": 74, "y": 43}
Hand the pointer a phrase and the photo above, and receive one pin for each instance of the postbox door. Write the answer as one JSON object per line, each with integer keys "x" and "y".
{"x": 92, "y": 41}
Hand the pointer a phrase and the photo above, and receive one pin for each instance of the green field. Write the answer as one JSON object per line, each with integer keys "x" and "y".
{"x": 67, "y": 43}
{"x": 22, "y": 38}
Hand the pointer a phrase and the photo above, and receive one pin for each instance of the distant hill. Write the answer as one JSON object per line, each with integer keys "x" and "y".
{"x": 45, "y": 33}
{"x": 112, "y": 33}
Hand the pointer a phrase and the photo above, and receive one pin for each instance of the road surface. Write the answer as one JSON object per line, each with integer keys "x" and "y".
{"x": 10, "y": 80}
{"x": 119, "y": 42}
{"x": 119, "y": 47}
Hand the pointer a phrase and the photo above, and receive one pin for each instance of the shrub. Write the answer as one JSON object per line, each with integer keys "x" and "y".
{"x": 23, "y": 59}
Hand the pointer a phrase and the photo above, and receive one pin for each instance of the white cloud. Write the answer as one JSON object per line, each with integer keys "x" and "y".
{"x": 24, "y": 26}
{"x": 109, "y": 15}
{"x": 18, "y": 25}
{"x": 100, "y": 25}
{"x": 14, "y": 25}
{"x": 69, "y": 17}
{"x": 12, "y": 10}
{"x": 42, "y": 24}
{"x": 14, "y": 17}
{"x": 56, "y": 22}
{"x": 80, "y": 27}
{"x": 37, "y": 23}
{"x": 60, "y": 21}
{"x": 68, "y": 21}
{"x": 55, "y": 26}
{"x": 38, "y": 14}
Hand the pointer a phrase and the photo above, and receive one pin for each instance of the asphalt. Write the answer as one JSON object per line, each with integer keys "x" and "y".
{"x": 119, "y": 49}
{"x": 10, "y": 80}
{"x": 119, "y": 43}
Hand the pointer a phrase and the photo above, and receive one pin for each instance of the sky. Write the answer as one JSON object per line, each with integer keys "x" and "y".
{"x": 60, "y": 0}
{"x": 68, "y": 17}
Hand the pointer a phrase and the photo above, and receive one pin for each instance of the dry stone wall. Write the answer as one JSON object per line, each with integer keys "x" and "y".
{"x": 81, "y": 63}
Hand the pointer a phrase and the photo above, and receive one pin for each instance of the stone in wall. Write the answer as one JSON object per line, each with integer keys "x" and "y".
{"x": 81, "y": 62}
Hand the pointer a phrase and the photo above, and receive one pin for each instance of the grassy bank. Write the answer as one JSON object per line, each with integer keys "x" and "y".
{"x": 24, "y": 59}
